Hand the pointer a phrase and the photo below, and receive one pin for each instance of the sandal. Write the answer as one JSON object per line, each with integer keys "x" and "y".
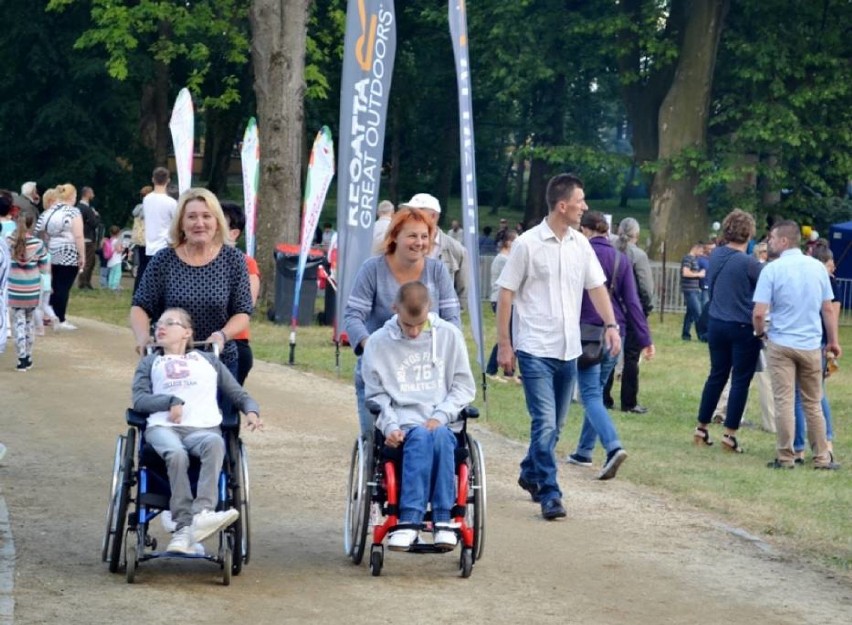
{"x": 701, "y": 437}
{"x": 729, "y": 443}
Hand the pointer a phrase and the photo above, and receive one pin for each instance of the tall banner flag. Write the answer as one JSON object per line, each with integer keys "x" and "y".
{"x": 250, "y": 159}
{"x": 470, "y": 215}
{"x": 368, "y": 54}
{"x": 182, "y": 125}
{"x": 320, "y": 173}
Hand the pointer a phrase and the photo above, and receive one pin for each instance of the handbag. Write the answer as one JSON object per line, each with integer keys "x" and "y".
{"x": 592, "y": 336}
{"x": 137, "y": 237}
{"x": 592, "y": 341}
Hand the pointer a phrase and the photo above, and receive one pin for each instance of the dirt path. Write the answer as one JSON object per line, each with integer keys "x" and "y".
{"x": 622, "y": 556}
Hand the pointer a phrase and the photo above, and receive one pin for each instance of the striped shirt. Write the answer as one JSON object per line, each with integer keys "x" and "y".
{"x": 25, "y": 275}
{"x": 57, "y": 222}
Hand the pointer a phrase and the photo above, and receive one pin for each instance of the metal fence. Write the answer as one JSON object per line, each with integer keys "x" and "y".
{"x": 670, "y": 296}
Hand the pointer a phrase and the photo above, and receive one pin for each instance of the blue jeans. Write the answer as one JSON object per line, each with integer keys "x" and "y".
{"x": 799, "y": 412}
{"x": 734, "y": 351}
{"x": 692, "y": 300}
{"x": 548, "y": 383}
{"x": 365, "y": 417}
{"x": 596, "y": 421}
{"x": 428, "y": 474}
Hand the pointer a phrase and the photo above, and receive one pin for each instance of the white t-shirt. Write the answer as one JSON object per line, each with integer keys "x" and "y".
{"x": 192, "y": 379}
{"x": 548, "y": 277}
{"x": 159, "y": 209}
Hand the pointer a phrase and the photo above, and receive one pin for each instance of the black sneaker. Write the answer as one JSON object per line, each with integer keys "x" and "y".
{"x": 580, "y": 461}
{"x": 22, "y": 364}
{"x": 553, "y": 509}
{"x": 531, "y": 488}
{"x": 777, "y": 464}
{"x": 613, "y": 461}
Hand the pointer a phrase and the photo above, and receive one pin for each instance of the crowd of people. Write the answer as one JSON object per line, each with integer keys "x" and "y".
{"x": 571, "y": 300}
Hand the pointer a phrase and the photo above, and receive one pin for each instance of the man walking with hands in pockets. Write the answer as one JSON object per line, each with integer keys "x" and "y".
{"x": 548, "y": 268}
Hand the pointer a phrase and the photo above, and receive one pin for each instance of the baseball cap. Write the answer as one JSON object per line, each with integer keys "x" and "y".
{"x": 423, "y": 200}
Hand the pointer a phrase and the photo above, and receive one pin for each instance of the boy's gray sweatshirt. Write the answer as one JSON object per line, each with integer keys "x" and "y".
{"x": 413, "y": 380}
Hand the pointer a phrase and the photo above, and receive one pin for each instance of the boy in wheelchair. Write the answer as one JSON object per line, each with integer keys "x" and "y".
{"x": 178, "y": 390}
{"x": 417, "y": 374}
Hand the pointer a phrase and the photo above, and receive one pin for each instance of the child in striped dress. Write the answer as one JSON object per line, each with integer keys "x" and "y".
{"x": 28, "y": 261}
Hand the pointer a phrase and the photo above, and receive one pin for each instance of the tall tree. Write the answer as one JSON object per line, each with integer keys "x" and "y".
{"x": 666, "y": 55}
{"x": 279, "y": 32}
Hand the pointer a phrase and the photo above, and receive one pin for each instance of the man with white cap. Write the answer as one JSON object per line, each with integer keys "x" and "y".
{"x": 450, "y": 251}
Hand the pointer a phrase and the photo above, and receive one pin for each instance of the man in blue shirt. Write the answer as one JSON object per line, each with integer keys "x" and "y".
{"x": 796, "y": 289}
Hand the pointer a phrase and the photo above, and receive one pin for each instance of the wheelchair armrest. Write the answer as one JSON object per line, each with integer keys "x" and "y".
{"x": 469, "y": 412}
{"x": 137, "y": 419}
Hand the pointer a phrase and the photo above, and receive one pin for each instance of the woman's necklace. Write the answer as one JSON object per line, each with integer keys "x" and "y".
{"x": 198, "y": 260}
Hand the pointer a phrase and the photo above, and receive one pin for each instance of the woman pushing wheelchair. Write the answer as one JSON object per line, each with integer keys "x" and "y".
{"x": 416, "y": 372}
{"x": 178, "y": 390}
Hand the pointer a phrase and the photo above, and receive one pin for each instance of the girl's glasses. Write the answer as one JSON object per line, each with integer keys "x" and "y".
{"x": 168, "y": 323}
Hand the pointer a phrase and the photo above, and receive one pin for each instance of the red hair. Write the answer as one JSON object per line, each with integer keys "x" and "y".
{"x": 399, "y": 221}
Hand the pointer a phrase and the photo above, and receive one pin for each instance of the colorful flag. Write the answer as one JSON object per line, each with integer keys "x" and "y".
{"x": 368, "y": 55}
{"x": 183, "y": 138}
{"x": 320, "y": 173}
{"x": 250, "y": 159}
{"x": 470, "y": 215}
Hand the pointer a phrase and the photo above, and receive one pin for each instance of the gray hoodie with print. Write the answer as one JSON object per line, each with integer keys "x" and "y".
{"x": 413, "y": 380}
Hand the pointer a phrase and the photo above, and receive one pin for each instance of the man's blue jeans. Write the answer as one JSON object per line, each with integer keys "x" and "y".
{"x": 428, "y": 474}
{"x": 596, "y": 421}
{"x": 692, "y": 300}
{"x": 548, "y": 383}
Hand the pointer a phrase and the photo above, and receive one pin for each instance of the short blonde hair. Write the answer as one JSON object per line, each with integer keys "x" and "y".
{"x": 176, "y": 233}
{"x": 66, "y": 191}
{"x": 49, "y": 198}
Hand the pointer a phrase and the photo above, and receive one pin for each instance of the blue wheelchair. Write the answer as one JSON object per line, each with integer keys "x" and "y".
{"x": 140, "y": 492}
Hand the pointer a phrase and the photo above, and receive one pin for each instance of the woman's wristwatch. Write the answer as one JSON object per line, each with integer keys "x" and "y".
{"x": 614, "y": 326}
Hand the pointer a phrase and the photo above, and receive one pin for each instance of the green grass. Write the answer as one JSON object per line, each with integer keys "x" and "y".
{"x": 808, "y": 512}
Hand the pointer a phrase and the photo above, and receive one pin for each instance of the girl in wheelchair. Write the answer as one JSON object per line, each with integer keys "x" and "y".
{"x": 178, "y": 390}
{"x": 417, "y": 373}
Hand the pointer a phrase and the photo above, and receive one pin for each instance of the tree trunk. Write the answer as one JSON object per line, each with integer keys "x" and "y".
{"x": 395, "y": 156}
{"x": 536, "y": 207}
{"x": 678, "y": 212}
{"x": 222, "y": 130}
{"x": 279, "y": 32}
{"x": 518, "y": 190}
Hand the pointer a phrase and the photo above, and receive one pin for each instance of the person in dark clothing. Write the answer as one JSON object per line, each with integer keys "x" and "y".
{"x": 91, "y": 222}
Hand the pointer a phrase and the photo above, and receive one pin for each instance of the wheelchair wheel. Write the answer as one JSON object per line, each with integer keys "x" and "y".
{"x": 358, "y": 500}
{"x": 478, "y": 497}
{"x": 121, "y": 499}
{"x": 110, "y": 513}
{"x": 377, "y": 560}
{"x": 466, "y": 563}
{"x": 228, "y": 563}
{"x": 132, "y": 556}
{"x": 240, "y": 501}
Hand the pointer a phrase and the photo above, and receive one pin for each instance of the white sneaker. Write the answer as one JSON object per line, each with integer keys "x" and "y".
{"x": 198, "y": 549}
{"x": 445, "y": 536}
{"x": 66, "y": 326}
{"x": 2, "y": 451}
{"x": 181, "y": 541}
{"x": 207, "y": 523}
{"x": 401, "y": 540}
{"x": 167, "y": 521}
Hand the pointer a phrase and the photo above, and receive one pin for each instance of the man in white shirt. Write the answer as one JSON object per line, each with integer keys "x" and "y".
{"x": 384, "y": 214}
{"x": 158, "y": 208}
{"x": 548, "y": 268}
